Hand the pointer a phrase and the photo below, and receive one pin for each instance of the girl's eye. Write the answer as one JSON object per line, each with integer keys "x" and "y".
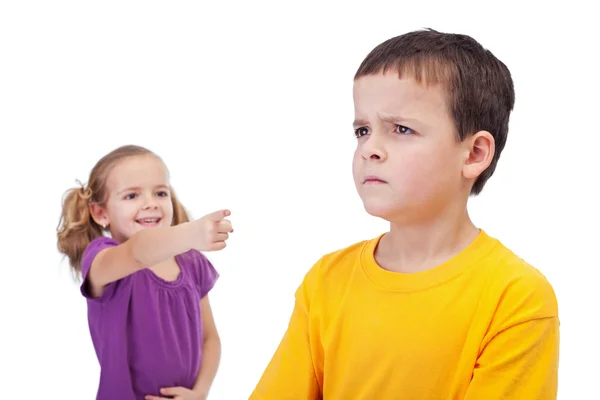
{"x": 163, "y": 194}
{"x": 361, "y": 132}
{"x": 404, "y": 130}
{"x": 130, "y": 196}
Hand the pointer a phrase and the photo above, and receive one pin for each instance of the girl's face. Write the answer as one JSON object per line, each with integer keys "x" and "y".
{"x": 138, "y": 197}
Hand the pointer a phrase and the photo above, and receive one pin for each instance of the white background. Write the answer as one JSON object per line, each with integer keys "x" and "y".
{"x": 250, "y": 106}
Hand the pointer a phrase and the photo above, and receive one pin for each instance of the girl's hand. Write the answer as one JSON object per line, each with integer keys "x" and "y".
{"x": 178, "y": 393}
{"x": 210, "y": 232}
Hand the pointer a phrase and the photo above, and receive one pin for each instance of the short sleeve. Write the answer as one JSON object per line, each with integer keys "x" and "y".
{"x": 206, "y": 274}
{"x": 90, "y": 253}
{"x": 520, "y": 352}
{"x": 295, "y": 371}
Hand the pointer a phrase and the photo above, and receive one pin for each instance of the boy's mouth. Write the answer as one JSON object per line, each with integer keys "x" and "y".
{"x": 148, "y": 222}
{"x": 373, "y": 180}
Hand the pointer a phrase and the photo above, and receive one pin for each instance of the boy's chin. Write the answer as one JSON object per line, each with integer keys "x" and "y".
{"x": 382, "y": 211}
{"x": 392, "y": 213}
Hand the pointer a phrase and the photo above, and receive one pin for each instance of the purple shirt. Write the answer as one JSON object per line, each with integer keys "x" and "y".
{"x": 147, "y": 332}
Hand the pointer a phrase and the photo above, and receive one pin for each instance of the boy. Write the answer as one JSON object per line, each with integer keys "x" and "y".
{"x": 435, "y": 308}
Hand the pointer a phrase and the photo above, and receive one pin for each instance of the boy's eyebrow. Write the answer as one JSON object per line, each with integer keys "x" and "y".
{"x": 396, "y": 118}
{"x": 385, "y": 117}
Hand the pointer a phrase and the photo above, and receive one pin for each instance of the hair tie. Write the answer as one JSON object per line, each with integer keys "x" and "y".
{"x": 85, "y": 194}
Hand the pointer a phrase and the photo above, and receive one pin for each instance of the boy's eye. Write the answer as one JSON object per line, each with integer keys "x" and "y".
{"x": 130, "y": 196}
{"x": 404, "y": 130}
{"x": 400, "y": 129}
{"x": 361, "y": 132}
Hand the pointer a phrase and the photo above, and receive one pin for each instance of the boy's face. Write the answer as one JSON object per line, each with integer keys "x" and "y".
{"x": 408, "y": 164}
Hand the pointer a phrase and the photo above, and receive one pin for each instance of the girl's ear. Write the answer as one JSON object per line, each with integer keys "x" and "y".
{"x": 99, "y": 215}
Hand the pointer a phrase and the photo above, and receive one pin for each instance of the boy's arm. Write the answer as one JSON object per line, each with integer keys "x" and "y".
{"x": 519, "y": 356}
{"x": 291, "y": 372}
{"x": 519, "y": 363}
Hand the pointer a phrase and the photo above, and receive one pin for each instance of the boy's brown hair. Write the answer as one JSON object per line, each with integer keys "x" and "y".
{"x": 479, "y": 86}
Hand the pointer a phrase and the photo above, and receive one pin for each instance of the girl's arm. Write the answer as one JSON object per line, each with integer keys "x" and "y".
{"x": 149, "y": 247}
{"x": 211, "y": 355}
{"x": 144, "y": 249}
{"x": 211, "y": 351}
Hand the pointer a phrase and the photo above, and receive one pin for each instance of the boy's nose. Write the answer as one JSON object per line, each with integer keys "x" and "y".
{"x": 373, "y": 149}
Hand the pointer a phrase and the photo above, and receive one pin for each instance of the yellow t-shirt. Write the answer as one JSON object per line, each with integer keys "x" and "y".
{"x": 483, "y": 325}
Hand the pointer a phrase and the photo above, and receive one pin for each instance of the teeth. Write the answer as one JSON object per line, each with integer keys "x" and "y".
{"x": 149, "y": 220}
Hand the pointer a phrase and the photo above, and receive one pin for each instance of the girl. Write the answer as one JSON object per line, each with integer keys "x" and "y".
{"x": 144, "y": 278}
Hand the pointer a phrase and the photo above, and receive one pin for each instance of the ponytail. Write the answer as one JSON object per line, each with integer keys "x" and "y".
{"x": 180, "y": 214}
{"x": 76, "y": 227}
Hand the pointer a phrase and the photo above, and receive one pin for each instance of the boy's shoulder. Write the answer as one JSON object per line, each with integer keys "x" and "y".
{"x": 504, "y": 262}
{"x": 338, "y": 265}
{"x": 345, "y": 257}
{"x": 348, "y": 253}
{"x": 515, "y": 284}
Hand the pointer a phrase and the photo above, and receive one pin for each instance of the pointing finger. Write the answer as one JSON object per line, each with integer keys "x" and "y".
{"x": 218, "y": 215}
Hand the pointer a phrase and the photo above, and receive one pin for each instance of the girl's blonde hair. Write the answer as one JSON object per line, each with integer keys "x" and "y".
{"x": 77, "y": 228}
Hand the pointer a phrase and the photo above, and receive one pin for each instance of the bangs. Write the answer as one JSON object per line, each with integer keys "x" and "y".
{"x": 425, "y": 69}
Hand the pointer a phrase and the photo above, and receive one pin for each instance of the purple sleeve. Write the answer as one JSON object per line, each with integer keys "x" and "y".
{"x": 91, "y": 251}
{"x": 207, "y": 274}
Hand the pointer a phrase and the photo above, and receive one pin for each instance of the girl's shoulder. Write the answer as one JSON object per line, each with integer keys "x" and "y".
{"x": 192, "y": 258}
{"x": 93, "y": 248}
{"x": 102, "y": 241}
{"x": 201, "y": 271}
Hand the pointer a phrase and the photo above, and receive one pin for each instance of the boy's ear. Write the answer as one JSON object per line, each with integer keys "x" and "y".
{"x": 479, "y": 152}
{"x": 99, "y": 214}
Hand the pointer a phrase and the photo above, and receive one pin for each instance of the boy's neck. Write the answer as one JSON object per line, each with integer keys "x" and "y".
{"x": 417, "y": 248}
